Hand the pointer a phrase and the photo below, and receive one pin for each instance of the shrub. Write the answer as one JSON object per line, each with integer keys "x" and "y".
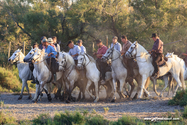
{"x": 97, "y": 120}
{"x": 43, "y": 119}
{"x": 6, "y": 119}
{"x": 128, "y": 120}
{"x": 179, "y": 99}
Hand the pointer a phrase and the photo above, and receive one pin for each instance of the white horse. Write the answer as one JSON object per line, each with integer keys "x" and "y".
{"x": 67, "y": 64}
{"x": 41, "y": 72}
{"x": 119, "y": 72}
{"x": 24, "y": 71}
{"x": 146, "y": 68}
{"x": 183, "y": 68}
{"x": 92, "y": 73}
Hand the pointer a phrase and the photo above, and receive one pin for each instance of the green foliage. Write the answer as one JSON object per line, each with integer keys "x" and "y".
{"x": 179, "y": 99}
{"x": 106, "y": 109}
{"x": 185, "y": 112}
{"x": 10, "y": 81}
{"x": 6, "y": 119}
{"x": 128, "y": 120}
{"x": 69, "y": 118}
{"x": 1, "y": 104}
{"x": 44, "y": 119}
{"x": 97, "y": 120}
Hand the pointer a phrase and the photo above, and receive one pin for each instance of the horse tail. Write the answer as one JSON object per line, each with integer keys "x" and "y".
{"x": 182, "y": 79}
{"x": 147, "y": 83}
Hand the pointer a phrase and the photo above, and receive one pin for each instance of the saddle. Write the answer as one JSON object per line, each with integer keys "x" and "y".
{"x": 162, "y": 61}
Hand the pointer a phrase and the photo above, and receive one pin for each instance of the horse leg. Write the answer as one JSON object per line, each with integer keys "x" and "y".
{"x": 154, "y": 86}
{"x": 87, "y": 89}
{"x": 36, "y": 93}
{"x": 171, "y": 82}
{"x": 132, "y": 87}
{"x": 28, "y": 91}
{"x": 144, "y": 78}
{"x": 22, "y": 89}
{"x": 166, "y": 84}
{"x": 96, "y": 91}
{"x": 122, "y": 82}
{"x": 179, "y": 84}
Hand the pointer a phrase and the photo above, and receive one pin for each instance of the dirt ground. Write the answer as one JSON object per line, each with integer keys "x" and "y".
{"x": 25, "y": 109}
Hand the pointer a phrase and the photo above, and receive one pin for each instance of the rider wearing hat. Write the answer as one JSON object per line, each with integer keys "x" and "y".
{"x": 41, "y": 46}
{"x": 156, "y": 53}
{"x": 51, "y": 56}
{"x": 74, "y": 50}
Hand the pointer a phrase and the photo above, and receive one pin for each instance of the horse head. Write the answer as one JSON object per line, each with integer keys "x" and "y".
{"x": 169, "y": 55}
{"x": 108, "y": 54}
{"x": 29, "y": 56}
{"x": 16, "y": 56}
{"x": 132, "y": 51}
{"x": 81, "y": 60}
{"x": 38, "y": 55}
{"x": 62, "y": 61}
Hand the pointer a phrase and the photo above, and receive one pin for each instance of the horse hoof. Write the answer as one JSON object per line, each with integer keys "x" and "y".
{"x": 29, "y": 97}
{"x": 34, "y": 101}
{"x": 67, "y": 101}
{"x": 20, "y": 98}
{"x": 113, "y": 100}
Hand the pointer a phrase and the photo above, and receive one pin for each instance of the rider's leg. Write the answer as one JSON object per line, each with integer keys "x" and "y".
{"x": 31, "y": 67}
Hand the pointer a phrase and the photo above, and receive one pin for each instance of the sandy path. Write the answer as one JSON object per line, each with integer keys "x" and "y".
{"x": 25, "y": 109}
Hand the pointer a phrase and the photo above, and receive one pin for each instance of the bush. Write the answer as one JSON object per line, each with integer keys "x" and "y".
{"x": 8, "y": 81}
{"x": 6, "y": 119}
{"x": 179, "y": 99}
{"x": 69, "y": 118}
{"x": 43, "y": 119}
{"x": 128, "y": 120}
{"x": 97, "y": 120}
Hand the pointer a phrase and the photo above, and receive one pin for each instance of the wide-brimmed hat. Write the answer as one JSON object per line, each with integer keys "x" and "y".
{"x": 154, "y": 35}
{"x": 50, "y": 40}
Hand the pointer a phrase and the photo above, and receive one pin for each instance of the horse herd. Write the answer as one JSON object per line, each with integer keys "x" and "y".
{"x": 68, "y": 77}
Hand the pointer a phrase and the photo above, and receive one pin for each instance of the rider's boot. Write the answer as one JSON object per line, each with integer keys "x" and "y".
{"x": 33, "y": 80}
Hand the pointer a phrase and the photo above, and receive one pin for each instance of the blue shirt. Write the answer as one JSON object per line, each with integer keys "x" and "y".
{"x": 117, "y": 46}
{"x": 75, "y": 50}
{"x": 83, "y": 49}
{"x": 51, "y": 49}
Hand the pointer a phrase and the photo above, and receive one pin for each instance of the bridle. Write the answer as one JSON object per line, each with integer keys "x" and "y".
{"x": 130, "y": 53}
{"x": 84, "y": 59}
{"x": 35, "y": 60}
{"x": 107, "y": 57}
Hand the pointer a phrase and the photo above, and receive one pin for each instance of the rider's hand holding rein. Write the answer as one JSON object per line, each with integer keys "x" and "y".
{"x": 50, "y": 54}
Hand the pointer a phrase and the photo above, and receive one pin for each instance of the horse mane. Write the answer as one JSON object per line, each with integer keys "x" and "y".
{"x": 118, "y": 53}
{"x": 69, "y": 57}
{"x": 91, "y": 58}
{"x": 144, "y": 53}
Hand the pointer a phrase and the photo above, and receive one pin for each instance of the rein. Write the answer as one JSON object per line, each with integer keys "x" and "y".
{"x": 84, "y": 60}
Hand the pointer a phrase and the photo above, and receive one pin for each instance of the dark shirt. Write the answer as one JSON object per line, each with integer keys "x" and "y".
{"x": 41, "y": 47}
{"x": 158, "y": 46}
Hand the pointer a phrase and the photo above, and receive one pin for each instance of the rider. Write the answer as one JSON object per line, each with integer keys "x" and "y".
{"x": 74, "y": 51}
{"x": 50, "y": 40}
{"x": 31, "y": 65}
{"x": 56, "y": 44}
{"x": 125, "y": 48}
{"x": 101, "y": 65}
{"x": 41, "y": 46}
{"x": 115, "y": 43}
{"x": 51, "y": 57}
{"x": 83, "y": 49}
{"x": 156, "y": 53}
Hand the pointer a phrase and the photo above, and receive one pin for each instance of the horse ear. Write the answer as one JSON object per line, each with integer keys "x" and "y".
{"x": 43, "y": 50}
{"x": 31, "y": 47}
{"x": 20, "y": 50}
